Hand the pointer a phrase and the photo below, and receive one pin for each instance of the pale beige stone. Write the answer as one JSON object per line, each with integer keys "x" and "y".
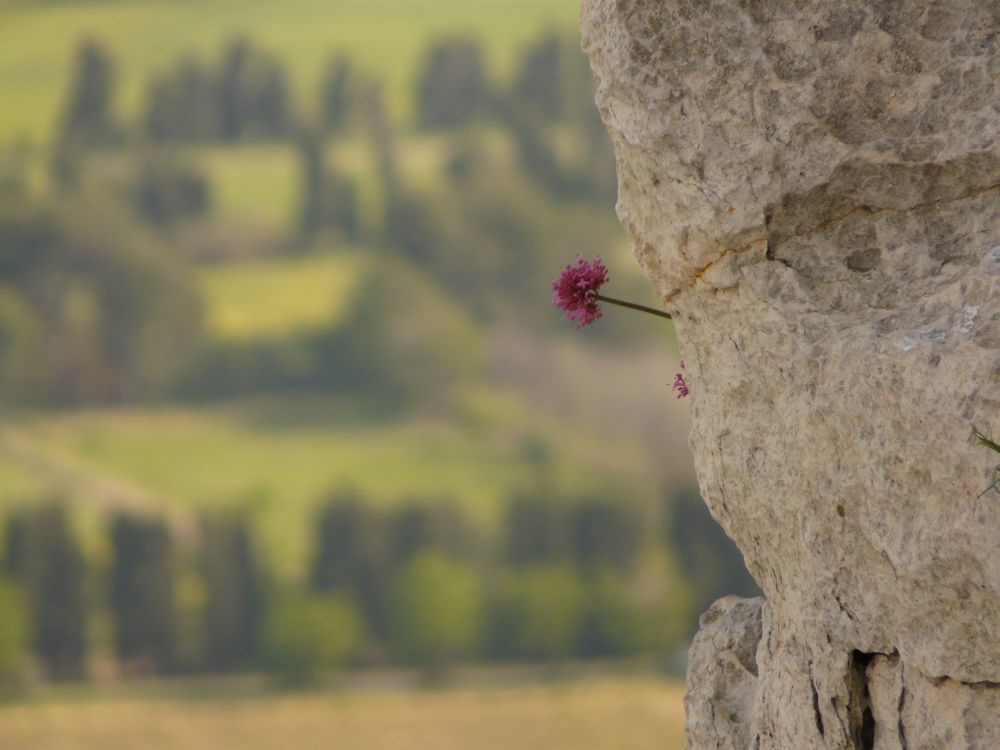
{"x": 721, "y": 692}
{"x": 814, "y": 190}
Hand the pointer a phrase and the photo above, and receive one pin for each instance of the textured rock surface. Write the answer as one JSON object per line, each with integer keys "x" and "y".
{"x": 722, "y": 689}
{"x": 814, "y": 190}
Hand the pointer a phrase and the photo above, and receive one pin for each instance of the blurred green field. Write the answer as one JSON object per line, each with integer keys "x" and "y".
{"x": 253, "y": 184}
{"x": 280, "y": 456}
{"x": 279, "y": 296}
{"x": 257, "y": 183}
{"x": 500, "y": 402}
{"x": 385, "y": 37}
{"x": 595, "y": 714}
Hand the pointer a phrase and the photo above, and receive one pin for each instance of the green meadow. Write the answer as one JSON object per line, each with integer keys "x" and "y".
{"x": 279, "y": 457}
{"x": 254, "y": 185}
{"x": 279, "y": 296}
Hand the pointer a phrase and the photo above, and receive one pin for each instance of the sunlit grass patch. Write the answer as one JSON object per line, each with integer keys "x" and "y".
{"x": 280, "y": 296}
{"x": 256, "y": 183}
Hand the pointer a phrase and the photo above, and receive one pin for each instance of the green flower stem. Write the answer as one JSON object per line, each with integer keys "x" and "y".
{"x": 633, "y": 306}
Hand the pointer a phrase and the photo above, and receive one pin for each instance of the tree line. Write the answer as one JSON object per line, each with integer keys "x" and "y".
{"x": 245, "y": 94}
{"x": 421, "y": 585}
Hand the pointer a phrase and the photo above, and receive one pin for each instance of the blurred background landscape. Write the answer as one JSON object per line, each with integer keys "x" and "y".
{"x": 294, "y": 446}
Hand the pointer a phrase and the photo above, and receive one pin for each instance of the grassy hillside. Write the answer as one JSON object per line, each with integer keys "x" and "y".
{"x": 280, "y": 456}
{"x": 604, "y": 714}
{"x": 386, "y": 37}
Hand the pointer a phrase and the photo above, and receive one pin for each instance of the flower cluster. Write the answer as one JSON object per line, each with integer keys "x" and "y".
{"x": 679, "y": 385}
{"x": 575, "y": 291}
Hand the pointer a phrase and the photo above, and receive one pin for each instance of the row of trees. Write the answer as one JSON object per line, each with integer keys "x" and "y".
{"x": 42, "y": 560}
{"x": 419, "y": 585}
{"x": 246, "y": 93}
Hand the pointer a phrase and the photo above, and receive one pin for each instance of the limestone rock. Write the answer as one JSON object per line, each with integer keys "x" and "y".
{"x": 722, "y": 675}
{"x": 814, "y": 190}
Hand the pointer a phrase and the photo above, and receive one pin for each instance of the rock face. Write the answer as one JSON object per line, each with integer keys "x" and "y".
{"x": 722, "y": 690}
{"x": 814, "y": 190}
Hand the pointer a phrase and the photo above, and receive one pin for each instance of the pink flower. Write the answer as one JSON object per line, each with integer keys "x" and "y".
{"x": 575, "y": 291}
{"x": 680, "y": 386}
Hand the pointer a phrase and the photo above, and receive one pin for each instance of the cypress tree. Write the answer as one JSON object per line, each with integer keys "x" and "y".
{"x": 142, "y": 594}
{"x": 310, "y": 148}
{"x": 55, "y": 572}
{"x": 605, "y": 533}
{"x": 15, "y": 540}
{"x": 431, "y": 524}
{"x": 336, "y": 95}
{"x": 87, "y": 118}
{"x": 535, "y": 530}
{"x": 453, "y": 87}
{"x": 235, "y": 594}
{"x": 253, "y": 94}
{"x": 353, "y": 555}
{"x": 538, "y": 86}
